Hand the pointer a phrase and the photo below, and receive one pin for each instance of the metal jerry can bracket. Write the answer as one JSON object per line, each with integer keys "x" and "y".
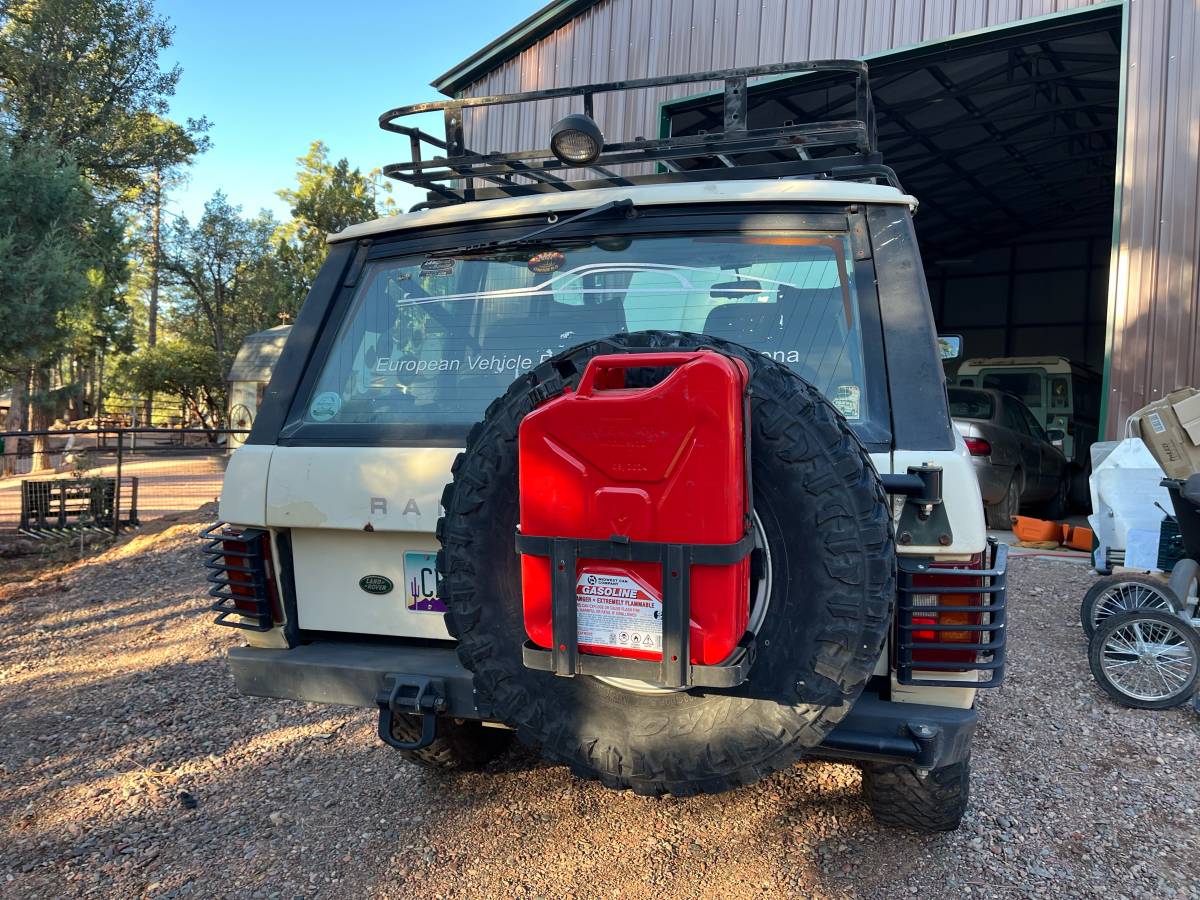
{"x": 923, "y": 519}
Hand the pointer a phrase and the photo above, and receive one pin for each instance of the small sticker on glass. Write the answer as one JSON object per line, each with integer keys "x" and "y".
{"x": 325, "y": 406}
{"x": 846, "y": 399}
{"x": 438, "y": 265}
{"x": 546, "y": 262}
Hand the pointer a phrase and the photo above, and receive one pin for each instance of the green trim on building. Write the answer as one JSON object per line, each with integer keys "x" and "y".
{"x": 1115, "y": 250}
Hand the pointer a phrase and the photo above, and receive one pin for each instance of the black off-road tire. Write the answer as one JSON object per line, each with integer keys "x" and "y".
{"x": 900, "y": 798}
{"x": 458, "y": 746}
{"x": 827, "y": 523}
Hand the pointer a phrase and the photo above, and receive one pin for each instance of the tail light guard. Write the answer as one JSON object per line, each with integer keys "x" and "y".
{"x": 952, "y": 618}
{"x": 239, "y": 569}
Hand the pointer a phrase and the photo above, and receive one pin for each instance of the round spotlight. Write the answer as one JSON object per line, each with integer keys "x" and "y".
{"x": 576, "y": 140}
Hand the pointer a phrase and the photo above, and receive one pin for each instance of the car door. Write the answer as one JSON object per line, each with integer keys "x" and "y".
{"x": 1031, "y": 458}
{"x": 1050, "y": 467}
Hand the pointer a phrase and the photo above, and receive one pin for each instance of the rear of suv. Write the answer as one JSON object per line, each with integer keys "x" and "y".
{"x": 369, "y": 542}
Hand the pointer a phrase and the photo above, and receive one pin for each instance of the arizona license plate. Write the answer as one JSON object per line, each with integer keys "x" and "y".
{"x": 421, "y": 587}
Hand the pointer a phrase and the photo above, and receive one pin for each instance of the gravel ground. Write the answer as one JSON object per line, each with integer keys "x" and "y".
{"x": 132, "y": 768}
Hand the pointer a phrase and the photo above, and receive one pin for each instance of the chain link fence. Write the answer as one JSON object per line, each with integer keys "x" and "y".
{"x": 67, "y": 479}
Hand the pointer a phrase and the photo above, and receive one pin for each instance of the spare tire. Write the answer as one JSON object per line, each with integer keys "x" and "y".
{"x": 821, "y": 600}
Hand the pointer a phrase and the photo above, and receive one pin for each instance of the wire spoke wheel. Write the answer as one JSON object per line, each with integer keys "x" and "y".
{"x": 1146, "y": 658}
{"x": 1127, "y": 596}
{"x": 1118, "y": 594}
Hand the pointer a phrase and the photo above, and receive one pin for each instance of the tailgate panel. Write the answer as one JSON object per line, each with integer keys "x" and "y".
{"x": 329, "y": 564}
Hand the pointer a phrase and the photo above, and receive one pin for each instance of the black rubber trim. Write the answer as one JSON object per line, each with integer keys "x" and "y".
{"x": 916, "y": 379}
{"x": 301, "y": 341}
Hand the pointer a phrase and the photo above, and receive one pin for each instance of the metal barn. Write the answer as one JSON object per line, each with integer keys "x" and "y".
{"x": 1054, "y": 146}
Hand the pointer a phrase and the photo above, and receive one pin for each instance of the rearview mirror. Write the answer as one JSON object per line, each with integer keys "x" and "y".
{"x": 950, "y": 345}
{"x": 736, "y": 290}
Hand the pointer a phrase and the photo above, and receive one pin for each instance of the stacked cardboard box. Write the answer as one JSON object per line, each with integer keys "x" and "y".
{"x": 1170, "y": 429}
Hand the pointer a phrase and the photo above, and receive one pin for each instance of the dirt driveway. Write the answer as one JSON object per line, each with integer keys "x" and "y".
{"x": 130, "y": 767}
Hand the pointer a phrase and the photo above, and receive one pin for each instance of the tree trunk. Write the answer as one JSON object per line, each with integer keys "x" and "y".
{"x": 14, "y": 422}
{"x": 40, "y": 420}
{"x": 155, "y": 257}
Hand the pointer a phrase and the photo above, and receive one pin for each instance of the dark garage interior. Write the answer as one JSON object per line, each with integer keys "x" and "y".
{"x": 1008, "y": 140}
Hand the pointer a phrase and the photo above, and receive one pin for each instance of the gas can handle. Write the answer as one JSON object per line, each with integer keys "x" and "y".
{"x": 587, "y": 384}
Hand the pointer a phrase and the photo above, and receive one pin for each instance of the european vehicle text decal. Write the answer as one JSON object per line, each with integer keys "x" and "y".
{"x": 515, "y": 363}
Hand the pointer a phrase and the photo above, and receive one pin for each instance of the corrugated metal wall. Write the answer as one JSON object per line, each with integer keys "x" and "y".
{"x": 1154, "y": 304}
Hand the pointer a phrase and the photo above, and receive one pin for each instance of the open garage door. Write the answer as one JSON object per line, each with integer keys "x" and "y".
{"x": 1008, "y": 138}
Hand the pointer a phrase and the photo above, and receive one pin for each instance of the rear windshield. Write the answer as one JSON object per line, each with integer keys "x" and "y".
{"x": 968, "y": 404}
{"x": 431, "y": 340}
{"x": 1027, "y": 386}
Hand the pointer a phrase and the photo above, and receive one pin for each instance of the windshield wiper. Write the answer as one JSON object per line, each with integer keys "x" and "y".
{"x": 624, "y": 206}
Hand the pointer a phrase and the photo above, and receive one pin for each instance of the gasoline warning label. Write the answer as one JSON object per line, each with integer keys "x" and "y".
{"x": 616, "y": 611}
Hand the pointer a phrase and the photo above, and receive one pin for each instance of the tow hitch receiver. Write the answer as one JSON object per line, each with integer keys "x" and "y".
{"x": 410, "y": 695}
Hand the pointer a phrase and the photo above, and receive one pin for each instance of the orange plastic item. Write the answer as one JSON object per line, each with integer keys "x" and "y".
{"x": 1027, "y": 528}
{"x": 1077, "y": 537}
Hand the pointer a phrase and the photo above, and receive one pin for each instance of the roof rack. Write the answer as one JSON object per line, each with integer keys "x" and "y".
{"x": 844, "y": 149}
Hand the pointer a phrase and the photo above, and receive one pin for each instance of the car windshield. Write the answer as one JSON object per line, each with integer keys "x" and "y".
{"x": 1025, "y": 385}
{"x": 968, "y": 404}
{"x": 431, "y": 340}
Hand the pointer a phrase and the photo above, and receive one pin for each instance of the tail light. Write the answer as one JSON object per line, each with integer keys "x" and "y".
{"x": 242, "y": 577}
{"x": 951, "y": 618}
{"x": 977, "y": 446}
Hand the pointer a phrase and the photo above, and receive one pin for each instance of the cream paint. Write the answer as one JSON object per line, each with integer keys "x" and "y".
{"x": 960, "y": 493}
{"x": 244, "y": 489}
{"x": 351, "y": 488}
{"x": 964, "y": 507}
{"x": 749, "y": 191}
{"x": 328, "y": 565}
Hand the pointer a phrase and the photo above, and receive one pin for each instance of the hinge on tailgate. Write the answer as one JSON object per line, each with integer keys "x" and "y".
{"x": 410, "y": 695}
{"x": 860, "y": 238}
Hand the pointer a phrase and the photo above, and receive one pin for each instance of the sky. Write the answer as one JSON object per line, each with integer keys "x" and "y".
{"x": 272, "y": 77}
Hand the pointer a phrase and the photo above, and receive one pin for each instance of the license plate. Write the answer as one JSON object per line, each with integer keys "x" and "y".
{"x": 421, "y": 588}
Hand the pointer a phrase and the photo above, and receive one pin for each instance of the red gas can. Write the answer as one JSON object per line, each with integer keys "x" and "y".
{"x": 664, "y": 464}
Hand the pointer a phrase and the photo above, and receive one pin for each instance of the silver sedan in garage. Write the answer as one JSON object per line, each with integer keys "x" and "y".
{"x": 1017, "y": 462}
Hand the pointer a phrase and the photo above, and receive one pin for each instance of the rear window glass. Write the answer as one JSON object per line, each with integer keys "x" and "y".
{"x": 965, "y": 404}
{"x": 431, "y": 340}
{"x": 1025, "y": 386}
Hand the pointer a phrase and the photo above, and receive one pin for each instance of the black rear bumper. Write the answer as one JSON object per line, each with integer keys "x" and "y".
{"x": 353, "y": 674}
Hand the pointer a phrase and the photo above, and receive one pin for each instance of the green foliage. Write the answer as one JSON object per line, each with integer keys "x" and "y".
{"x": 327, "y": 198}
{"x": 225, "y": 274}
{"x": 43, "y": 265}
{"x": 189, "y": 370}
{"x": 83, "y": 77}
{"x": 86, "y": 156}
{"x": 82, "y": 106}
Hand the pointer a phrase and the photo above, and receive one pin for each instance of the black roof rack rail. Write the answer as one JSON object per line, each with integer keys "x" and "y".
{"x": 844, "y": 149}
